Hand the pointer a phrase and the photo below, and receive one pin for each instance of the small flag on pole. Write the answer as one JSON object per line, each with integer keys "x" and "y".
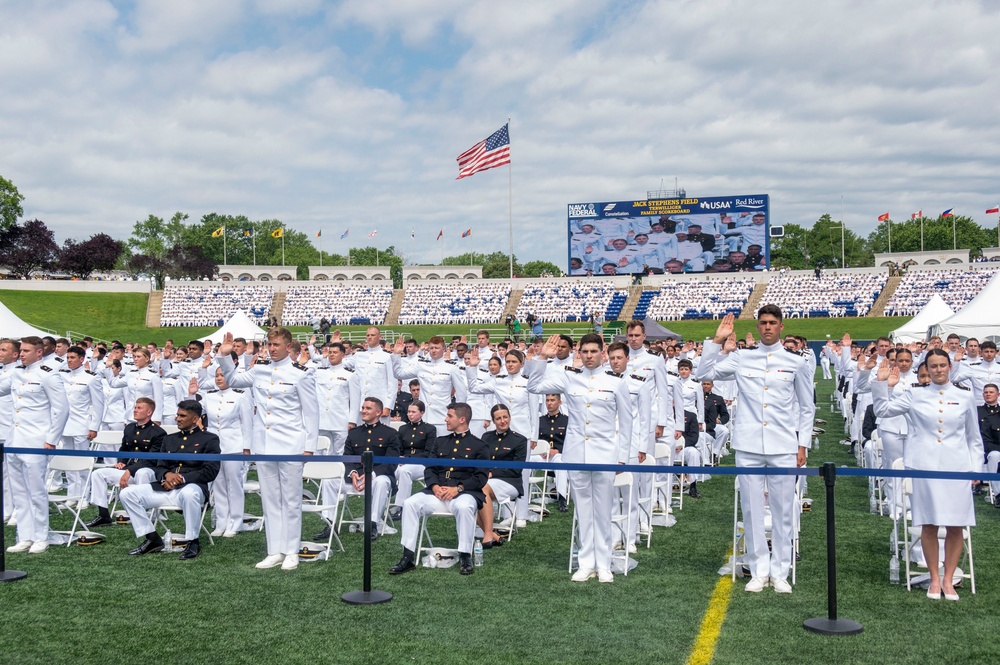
{"x": 466, "y": 234}
{"x": 917, "y": 215}
{"x": 277, "y": 233}
{"x": 248, "y": 233}
{"x": 373, "y": 233}
{"x": 947, "y": 213}
{"x": 440, "y": 234}
{"x": 993, "y": 211}
{"x": 344, "y": 234}
{"x": 884, "y": 217}
{"x": 487, "y": 154}
{"x": 319, "y": 234}
{"x": 218, "y": 232}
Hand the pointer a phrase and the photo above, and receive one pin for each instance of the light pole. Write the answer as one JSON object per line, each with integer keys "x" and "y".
{"x": 842, "y": 262}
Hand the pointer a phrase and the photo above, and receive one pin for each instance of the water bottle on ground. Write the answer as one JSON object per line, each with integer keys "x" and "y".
{"x": 894, "y": 569}
{"x": 168, "y": 541}
{"x": 477, "y": 554}
{"x": 872, "y": 504}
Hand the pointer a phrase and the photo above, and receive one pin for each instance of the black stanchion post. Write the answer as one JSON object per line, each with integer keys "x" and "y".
{"x": 5, "y": 575}
{"x": 831, "y": 624}
{"x": 366, "y": 596}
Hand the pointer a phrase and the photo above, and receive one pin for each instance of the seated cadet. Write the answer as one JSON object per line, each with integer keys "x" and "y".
{"x": 552, "y": 428}
{"x": 382, "y": 441}
{"x": 504, "y": 483}
{"x": 716, "y": 417}
{"x": 416, "y": 438}
{"x": 139, "y": 436}
{"x": 181, "y": 482}
{"x": 456, "y": 489}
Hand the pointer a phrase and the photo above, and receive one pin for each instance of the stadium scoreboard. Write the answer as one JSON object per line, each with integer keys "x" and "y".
{"x": 679, "y": 235}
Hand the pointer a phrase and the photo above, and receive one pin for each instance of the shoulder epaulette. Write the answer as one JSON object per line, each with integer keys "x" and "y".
{"x": 422, "y": 360}
{"x": 90, "y": 373}
{"x": 637, "y": 377}
{"x": 45, "y": 368}
{"x": 919, "y": 385}
{"x": 524, "y": 376}
{"x": 570, "y": 368}
{"x": 263, "y": 362}
{"x": 298, "y": 366}
{"x": 238, "y": 390}
{"x": 150, "y": 369}
{"x": 614, "y": 374}
{"x": 502, "y": 376}
{"x": 349, "y": 369}
{"x": 484, "y": 370}
{"x": 673, "y": 373}
{"x": 214, "y": 390}
{"x": 451, "y": 362}
{"x": 961, "y": 387}
{"x": 66, "y": 370}
{"x": 62, "y": 360}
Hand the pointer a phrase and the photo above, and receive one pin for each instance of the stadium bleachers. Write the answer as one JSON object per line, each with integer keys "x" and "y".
{"x": 833, "y": 294}
{"x": 713, "y": 299}
{"x": 568, "y": 301}
{"x": 956, "y": 288}
{"x": 213, "y": 305}
{"x": 341, "y": 304}
{"x": 450, "y": 302}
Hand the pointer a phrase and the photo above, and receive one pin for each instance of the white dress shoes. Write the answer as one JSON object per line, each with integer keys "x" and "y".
{"x": 584, "y": 574}
{"x": 781, "y": 586}
{"x": 271, "y": 561}
{"x": 291, "y": 562}
{"x": 605, "y": 576}
{"x": 22, "y": 546}
{"x": 756, "y": 585}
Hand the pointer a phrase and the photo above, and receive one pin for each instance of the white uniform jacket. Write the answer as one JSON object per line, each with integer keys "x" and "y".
{"x": 40, "y": 406}
{"x": 776, "y": 396}
{"x": 287, "y": 419}
{"x": 943, "y": 423}
{"x": 600, "y": 411}
{"x": 437, "y": 380}
{"x": 85, "y": 398}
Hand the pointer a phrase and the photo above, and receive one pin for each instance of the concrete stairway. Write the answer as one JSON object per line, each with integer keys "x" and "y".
{"x": 278, "y": 306}
{"x": 512, "y": 303}
{"x": 154, "y": 309}
{"x": 395, "y": 305}
{"x": 878, "y": 307}
{"x": 752, "y": 301}
{"x": 628, "y": 309}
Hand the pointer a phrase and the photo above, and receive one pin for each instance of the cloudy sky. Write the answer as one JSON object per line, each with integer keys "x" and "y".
{"x": 336, "y": 115}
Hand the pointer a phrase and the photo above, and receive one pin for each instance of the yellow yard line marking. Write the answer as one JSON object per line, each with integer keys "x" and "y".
{"x": 711, "y": 623}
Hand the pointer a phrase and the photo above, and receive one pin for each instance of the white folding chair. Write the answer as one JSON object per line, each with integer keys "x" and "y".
{"x": 106, "y": 441}
{"x": 161, "y": 514}
{"x": 171, "y": 429}
{"x": 425, "y": 536}
{"x": 67, "y": 501}
{"x": 317, "y": 472}
{"x": 538, "y": 481}
{"x": 662, "y": 492}
{"x": 622, "y": 519}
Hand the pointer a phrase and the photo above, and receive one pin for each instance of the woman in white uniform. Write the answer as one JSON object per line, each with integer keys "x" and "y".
{"x": 943, "y": 435}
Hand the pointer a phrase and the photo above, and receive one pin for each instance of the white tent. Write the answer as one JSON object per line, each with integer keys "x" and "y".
{"x": 915, "y": 330}
{"x": 979, "y": 319}
{"x": 11, "y": 325}
{"x": 241, "y": 326}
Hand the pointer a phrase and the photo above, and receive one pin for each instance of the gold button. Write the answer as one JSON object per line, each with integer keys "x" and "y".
{"x": 765, "y": 424}
{"x": 765, "y": 387}
{"x": 586, "y": 422}
{"x": 765, "y": 406}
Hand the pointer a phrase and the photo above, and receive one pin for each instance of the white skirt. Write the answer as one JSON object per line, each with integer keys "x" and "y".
{"x": 942, "y": 502}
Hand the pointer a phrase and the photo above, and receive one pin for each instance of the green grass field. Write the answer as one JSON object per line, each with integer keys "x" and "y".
{"x": 122, "y": 316}
{"x": 97, "y": 605}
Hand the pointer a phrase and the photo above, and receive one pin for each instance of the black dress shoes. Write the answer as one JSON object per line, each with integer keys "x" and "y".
{"x": 99, "y": 521}
{"x": 322, "y": 535}
{"x": 191, "y": 550}
{"x": 465, "y": 566}
{"x": 693, "y": 491}
{"x": 490, "y": 544}
{"x": 153, "y": 543}
{"x": 374, "y": 533}
{"x": 405, "y": 565}
{"x": 562, "y": 504}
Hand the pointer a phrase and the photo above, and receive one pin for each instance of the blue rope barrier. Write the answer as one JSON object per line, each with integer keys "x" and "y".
{"x": 498, "y": 464}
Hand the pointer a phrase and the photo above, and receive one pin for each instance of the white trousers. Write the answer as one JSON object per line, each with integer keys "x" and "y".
{"x": 640, "y": 481}
{"x": 332, "y": 488}
{"x": 592, "y": 496}
{"x": 477, "y": 427}
{"x": 503, "y": 490}
{"x": 281, "y": 498}
{"x": 31, "y": 499}
{"x": 76, "y": 480}
{"x": 781, "y": 499}
{"x": 692, "y": 457}
{"x": 463, "y": 507}
{"x": 721, "y": 438}
{"x": 562, "y": 477}
{"x": 8, "y": 495}
{"x": 102, "y": 479}
{"x": 992, "y": 463}
{"x": 824, "y": 363}
{"x": 892, "y": 450}
{"x": 381, "y": 486}
{"x": 138, "y": 499}
{"x": 406, "y": 475}
{"x": 864, "y": 399}
{"x": 229, "y": 497}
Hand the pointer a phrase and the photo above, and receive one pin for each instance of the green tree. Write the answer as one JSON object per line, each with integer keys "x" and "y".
{"x": 539, "y": 268}
{"x": 10, "y": 204}
{"x": 370, "y": 256}
{"x": 825, "y": 250}
{"x": 154, "y": 237}
{"x": 791, "y": 250}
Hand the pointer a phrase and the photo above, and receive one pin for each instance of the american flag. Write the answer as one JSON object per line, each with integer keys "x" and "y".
{"x": 491, "y": 152}
{"x": 373, "y": 233}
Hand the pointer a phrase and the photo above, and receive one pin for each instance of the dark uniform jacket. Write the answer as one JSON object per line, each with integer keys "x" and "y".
{"x": 417, "y": 439}
{"x": 381, "y": 440}
{"x": 553, "y": 430}
{"x": 459, "y": 446}
{"x": 989, "y": 427}
{"x": 195, "y": 441}
{"x": 507, "y": 447}
{"x": 403, "y": 401}
{"x": 146, "y": 438}
{"x": 715, "y": 409}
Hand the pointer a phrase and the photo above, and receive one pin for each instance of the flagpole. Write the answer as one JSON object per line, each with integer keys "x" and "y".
{"x": 921, "y": 233}
{"x": 253, "y": 241}
{"x": 321, "y": 248}
{"x": 282, "y": 246}
{"x": 888, "y": 224}
{"x": 225, "y": 259}
{"x": 954, "y": 232}
{"x": 510, "y": 203}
